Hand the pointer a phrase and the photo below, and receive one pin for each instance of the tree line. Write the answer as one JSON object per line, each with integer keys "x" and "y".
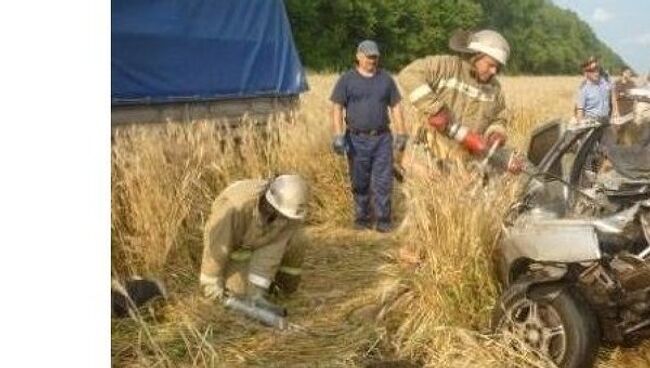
{"x": 544, "y": 38}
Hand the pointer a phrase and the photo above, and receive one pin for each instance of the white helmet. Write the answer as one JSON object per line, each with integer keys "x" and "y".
{"x": 486, "y": 41}
{"x": 289, "y": 195}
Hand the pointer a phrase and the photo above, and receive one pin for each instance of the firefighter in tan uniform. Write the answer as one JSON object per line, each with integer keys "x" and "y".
{"x": 457, "y": 88}
{"x": 254, "y": 228}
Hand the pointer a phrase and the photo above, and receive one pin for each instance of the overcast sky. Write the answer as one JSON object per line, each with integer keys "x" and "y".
{"x": 624, "y": 25}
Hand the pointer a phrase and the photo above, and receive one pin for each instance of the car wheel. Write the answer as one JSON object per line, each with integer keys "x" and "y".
{"x": 562, "y": 328}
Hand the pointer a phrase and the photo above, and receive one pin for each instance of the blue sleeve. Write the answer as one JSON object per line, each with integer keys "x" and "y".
{"x": 339, "y": 94}
{"x": 609, "y": 85}
{"x": 580, "y": 100}
{"x": 394, "y": 96}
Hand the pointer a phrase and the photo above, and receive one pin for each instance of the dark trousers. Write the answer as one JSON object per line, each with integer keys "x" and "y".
{"x": 370, "y": 163}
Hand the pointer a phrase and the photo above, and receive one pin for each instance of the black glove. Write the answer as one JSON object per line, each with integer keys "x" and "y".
{"x": 339, "y": 146}
{"x": 399, "y": 141}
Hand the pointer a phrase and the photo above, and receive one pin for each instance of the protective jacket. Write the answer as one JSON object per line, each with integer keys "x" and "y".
{"x": 444, "y": 80}
{"x": 237, "y": 232}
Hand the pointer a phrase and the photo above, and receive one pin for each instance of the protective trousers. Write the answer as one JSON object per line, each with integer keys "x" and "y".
{"x": 286, "y": 279}
{"x": 246, "y": 266}
{"x": 370, "y": 164}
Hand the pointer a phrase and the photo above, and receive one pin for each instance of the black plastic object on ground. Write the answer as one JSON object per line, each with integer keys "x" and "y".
{"x": 133, "y": 294}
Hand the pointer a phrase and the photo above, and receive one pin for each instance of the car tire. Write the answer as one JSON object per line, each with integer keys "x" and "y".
{"x": 566, "y": 329}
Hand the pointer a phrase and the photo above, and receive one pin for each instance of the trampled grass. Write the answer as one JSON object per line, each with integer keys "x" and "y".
{"x": 361, "y": 300}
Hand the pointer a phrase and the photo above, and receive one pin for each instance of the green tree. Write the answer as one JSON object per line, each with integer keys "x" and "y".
{"x": 544, "y": 39}
{"x": 327, "y": 31}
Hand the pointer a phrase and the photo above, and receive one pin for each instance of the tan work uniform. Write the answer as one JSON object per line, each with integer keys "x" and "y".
{"x": 639, "y": 128}
{"x": 444, "y": 80}
{"x": 627, "y": 133}
{"x": 238, "y": 245}
{"x": 625, "y": 104}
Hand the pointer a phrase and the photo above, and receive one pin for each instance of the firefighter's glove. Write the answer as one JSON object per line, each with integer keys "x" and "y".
{"x": 399, "y": 142}
{"x": 496, "y": 138}
{"x": 339, "y": 146}
{"x": 213, "y": 287}
{"x": 440, "y": 120}
{"x": 516, "y": 163}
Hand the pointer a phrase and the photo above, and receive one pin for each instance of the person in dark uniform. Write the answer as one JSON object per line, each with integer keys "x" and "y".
{"x": 364, "y": 97}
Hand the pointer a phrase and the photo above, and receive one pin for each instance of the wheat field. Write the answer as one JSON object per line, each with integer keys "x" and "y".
{"x": 420, "y": 296}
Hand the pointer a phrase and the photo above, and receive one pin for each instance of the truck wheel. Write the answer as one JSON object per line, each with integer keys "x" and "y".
{"x": 562, "y": 328}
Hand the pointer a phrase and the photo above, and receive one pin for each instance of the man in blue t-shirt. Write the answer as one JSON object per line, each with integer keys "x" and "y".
{"x": 363, "y": 97}
{"x": 596, "y": 99}
{"x": 595, "y": 94}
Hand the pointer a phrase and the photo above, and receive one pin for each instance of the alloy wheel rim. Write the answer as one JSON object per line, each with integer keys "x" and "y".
{"x": 538, "y": 326}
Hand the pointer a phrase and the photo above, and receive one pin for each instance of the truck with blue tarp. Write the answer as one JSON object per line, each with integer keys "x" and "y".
{"x": 199, "y": 55}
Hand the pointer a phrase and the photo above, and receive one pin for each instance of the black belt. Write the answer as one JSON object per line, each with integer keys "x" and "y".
{"x": 372, "y": 132}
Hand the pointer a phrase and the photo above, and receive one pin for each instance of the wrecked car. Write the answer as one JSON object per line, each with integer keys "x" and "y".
{"x": 574, "y": 255}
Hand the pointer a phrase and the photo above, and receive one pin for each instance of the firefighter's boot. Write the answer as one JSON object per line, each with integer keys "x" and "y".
{"x": 257, "y": 297}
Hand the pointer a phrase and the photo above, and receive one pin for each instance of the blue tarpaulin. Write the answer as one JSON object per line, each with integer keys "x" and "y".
{"x": 185, "y": 50}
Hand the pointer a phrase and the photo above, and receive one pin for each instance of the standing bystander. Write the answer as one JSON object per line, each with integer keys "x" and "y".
{"x": 625, "y": 106}
{"x": 622, "y": 86}
{"x": 363, "y": 98}
{"x": 595, "y": 98}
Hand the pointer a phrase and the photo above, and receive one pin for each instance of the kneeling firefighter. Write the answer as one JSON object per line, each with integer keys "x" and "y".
{"x": 252, "y": 241}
